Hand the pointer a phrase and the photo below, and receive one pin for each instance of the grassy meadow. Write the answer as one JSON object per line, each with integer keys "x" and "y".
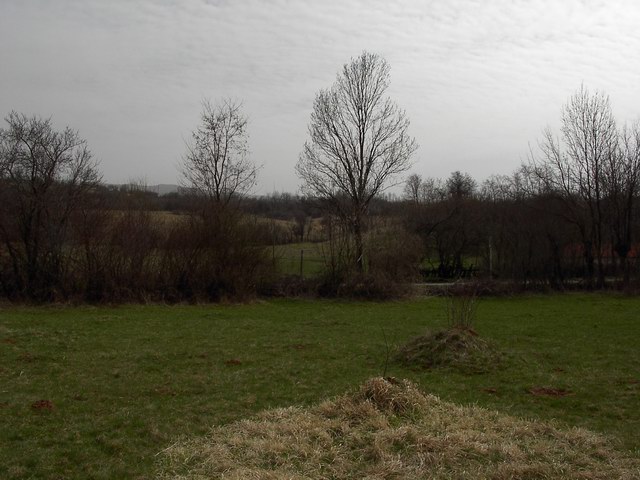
{"x": 98, "y": 392}
{"x": 288, "y": 258}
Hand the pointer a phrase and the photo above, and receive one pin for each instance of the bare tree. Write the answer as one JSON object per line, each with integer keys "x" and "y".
{"x": 413, "y": 188}
{"x": 621, "y": 185}
{"x": 216, "y": 164}
{"x": 573, "y": 167}
{"x": 498, "y": 188}
{"x": 44, "y": 175}
{"x": 424, "y": 190}
{"x": 359, "y": 142}
{"x": 460, "y": 185}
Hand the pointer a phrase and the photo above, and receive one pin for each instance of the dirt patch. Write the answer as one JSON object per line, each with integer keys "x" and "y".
{"x": 27, "y": 357}
{"x": 9, "y": 341}
{"x": 627, "y": 382}
{"x": 42, "y": 405}
{"x": 301, "y": 346}
{"x": 549, "y": 392}
{"x": 490, "y": 390}
{"x": 390, "y": 429}
{"x": 165, "y": 391}
{"x": 459, "y": 348}
{"x": 232, "y": 362}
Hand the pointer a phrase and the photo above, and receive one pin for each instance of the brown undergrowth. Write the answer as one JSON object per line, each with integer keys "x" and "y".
{"x": 389, "y": 429}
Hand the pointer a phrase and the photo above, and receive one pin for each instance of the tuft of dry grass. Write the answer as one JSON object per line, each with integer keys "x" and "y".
{"x": 389, "y": 429}
{"x": 459, "y": 348}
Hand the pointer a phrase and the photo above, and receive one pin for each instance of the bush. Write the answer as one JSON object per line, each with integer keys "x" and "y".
{"x": 461, "y": 311}
{"x": 374, "y": 285}
{"x": 391, "y": 258}
{"x": 395, "y": 252}
{"x": 289, "y": 286}
{"x": 214, "y": 256}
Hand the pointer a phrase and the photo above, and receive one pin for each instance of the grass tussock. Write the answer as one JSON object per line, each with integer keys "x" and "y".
{"x": 458, "y": 348}
{"x": 389, "y": 429}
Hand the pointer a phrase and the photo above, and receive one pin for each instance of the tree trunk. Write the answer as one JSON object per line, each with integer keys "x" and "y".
{"x": 626, "y": 269}
{"x": 599, "y": 260}
{"x": 588, "y": 259}
{"x": 622, "y": 250}
{"x": 357, "y": 232}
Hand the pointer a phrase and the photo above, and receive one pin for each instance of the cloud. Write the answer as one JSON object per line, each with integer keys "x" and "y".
{"x": 478, "y": 79}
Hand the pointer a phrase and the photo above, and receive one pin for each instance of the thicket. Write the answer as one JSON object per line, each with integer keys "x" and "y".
{"x": 505, "y": 232}
{"x": 131, "y": 255}
{"x": 108, "y": 247}
{"x": 114, "y": 247}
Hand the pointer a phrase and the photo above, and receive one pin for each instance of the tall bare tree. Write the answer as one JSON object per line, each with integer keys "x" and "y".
{"x": 358, "y": 142}
{"x": 216, "y": 164}
{"x": 574, "y": 167}
{"x": 621, "y": 185}
{"x": 413, "y": 188}
{"x": 44, "y": 175}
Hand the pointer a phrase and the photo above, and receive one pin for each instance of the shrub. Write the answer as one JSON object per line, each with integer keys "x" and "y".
{"x": 395, "y": 252}
{"x": 391, "y": 259}
{"x": 214, "y": 256}
{"x": 461, "y": 311}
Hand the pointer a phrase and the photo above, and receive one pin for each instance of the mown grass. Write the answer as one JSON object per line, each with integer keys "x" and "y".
{"x": 125, "y": 382}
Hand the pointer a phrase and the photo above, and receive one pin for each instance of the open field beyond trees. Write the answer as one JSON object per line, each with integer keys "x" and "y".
{"x": 98, "y": 392}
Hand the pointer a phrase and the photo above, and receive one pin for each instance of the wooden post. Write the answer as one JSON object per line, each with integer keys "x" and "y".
{"x": 490, "y": 257}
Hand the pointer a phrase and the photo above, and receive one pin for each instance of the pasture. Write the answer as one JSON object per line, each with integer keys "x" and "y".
{"x": 98, "y": 392}
{"x": 291, "y": 257}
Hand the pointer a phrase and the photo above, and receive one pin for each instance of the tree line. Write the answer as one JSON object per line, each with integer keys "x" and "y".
{"x": 568, "y": 214}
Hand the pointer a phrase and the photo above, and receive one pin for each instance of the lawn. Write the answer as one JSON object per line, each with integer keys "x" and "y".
{"x": 96, "y": 392}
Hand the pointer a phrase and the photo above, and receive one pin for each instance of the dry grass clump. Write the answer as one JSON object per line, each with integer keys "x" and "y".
{"x": 390, "y": 430}
{"x": 459, "y": 348}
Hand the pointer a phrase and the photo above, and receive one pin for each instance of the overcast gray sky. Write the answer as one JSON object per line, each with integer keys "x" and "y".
{"x": 478, "y": 79}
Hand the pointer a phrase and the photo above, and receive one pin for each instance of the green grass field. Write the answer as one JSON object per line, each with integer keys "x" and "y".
{"x": 96, "y": 392}
{"x": 288, "y": 259}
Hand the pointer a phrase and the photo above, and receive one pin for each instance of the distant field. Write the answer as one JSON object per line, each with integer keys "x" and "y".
{"x": 96, "y": 392}
{"x": 161, "y": 218}
{"x": 290, "y": 257}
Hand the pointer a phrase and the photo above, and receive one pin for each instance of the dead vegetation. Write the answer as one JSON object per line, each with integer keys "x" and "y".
{"x": 458, "y": 348}
{"x": 389, "y": 429}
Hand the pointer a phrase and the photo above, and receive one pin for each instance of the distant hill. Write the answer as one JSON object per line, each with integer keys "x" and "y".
{"x": 163, "y": 188}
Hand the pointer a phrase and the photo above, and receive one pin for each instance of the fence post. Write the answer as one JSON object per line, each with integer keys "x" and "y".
{"x": 490, "y": 257}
